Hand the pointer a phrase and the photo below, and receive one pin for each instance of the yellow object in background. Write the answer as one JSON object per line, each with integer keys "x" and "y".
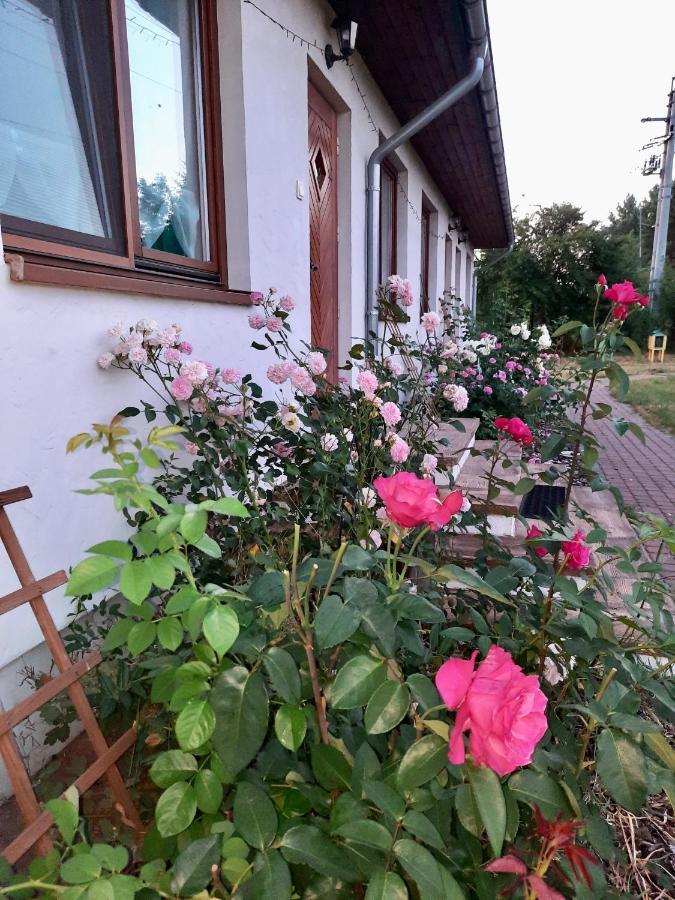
{"x": 656, "y": 346}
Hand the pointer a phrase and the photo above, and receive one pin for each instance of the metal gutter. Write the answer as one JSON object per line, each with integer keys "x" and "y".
{"x": 409, "y": 130}
{"x": 475, "y": 13}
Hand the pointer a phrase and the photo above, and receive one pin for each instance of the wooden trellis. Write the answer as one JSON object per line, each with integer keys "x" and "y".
{"x": 36, "y": 820}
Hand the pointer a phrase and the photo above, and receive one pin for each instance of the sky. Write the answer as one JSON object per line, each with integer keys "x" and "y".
{"x": 574, "y": 78}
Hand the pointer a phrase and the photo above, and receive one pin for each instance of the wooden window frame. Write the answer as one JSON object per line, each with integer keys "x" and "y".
{"x": 392, "y": 173}
{"x": 425, "y": 252}
{"x": 138, "y": 269}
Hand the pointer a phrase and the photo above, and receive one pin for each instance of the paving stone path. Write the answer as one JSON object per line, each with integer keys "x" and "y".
{"x": 644, "y": 474}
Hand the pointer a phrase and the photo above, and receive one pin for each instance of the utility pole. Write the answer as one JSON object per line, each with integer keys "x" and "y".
{"x": 663, "y": 204}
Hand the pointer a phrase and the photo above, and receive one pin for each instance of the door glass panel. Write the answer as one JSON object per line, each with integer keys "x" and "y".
{"x": 168, "y": 127}
{"x": 56, "y": 146}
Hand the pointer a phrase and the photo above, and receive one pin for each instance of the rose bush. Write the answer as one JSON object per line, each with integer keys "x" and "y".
{"x": 306, "y": 680}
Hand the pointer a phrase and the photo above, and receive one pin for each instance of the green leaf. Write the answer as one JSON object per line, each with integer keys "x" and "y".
{"x": 195, "y": 724}
{"x": 228, "y": 506}
{"x": 114, "y": 859}
{"x": 191, "y": 872}
{"x": 622, "y": 769}
{"x": 356, "y": 682}
{"x": 566, "y": 327}
{"x": 141, "y": 635}
{"x": 335, "y": 622}
{"x": 467, "y": 811}
{"x": 116, "y": 549}
{"x": 135, "y": 581}
{"x": 660, "y": 746}
{"x": 618, "y": 380}
{"x": 208, "y": 546}
{"x": 470, "y": 580}
{"x": 290, "y": 726}
{"x": 419, "y": 825}
{"x": 193, "y": 525}
{"x": 255, "y": 817}
{"x": 271, "y": 878}
{"x": 366, "y": 832}
{"x": 540, "y": 790}
{"x": 423, "y": 761}
{"x": 524, "y": 486}
{"x": 306, "y": 845}
{"x": 240, "y": 702}
{"x": 162, "y": 571}
{"x": 331, "y": 769}
{"x": 283, "y": 673}
{"x": 385, "y": 798}
{"x": 91, "y": 575}
{"x": 386, "y": 886}
{"x": 80, "y": 869}
{"x": 208, "y": 791}
{"x": 170, "y": 633}
{"x": 66, "y": 817}
{"x": 553, "y": 444}
{"x": 171, "y": 767}
{"x": 176, "y": 808}
{"x": 221, "y": 628}
{"x": 434, "y": 882}
{"x": 387, "y": 707}
{"x": 117, "y": 635}
{"x": 150, "y": 458}
{"x": 489, "y": 797}
{"x": 632, "y": 346}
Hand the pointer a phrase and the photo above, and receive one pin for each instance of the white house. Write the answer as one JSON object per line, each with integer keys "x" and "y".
{"x": 164, "y": 158}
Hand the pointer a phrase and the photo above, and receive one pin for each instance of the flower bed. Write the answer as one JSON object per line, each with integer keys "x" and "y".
{"x": 334, "y": 706}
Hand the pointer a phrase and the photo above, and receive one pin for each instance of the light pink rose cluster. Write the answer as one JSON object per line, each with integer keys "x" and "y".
{"x": 503, "y": 710}
{"x": 368, "y": 383}
{"x": 302, "y": 381}
{"x": 402, "y": 289}
{"x": 390, "y": 413}
{"x": 430, "y": 322}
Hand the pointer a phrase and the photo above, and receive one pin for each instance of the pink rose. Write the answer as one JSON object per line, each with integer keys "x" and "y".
{"x": 274, "y": 323}
{"x": 430, "y": 322}
{"x": 277, "y": 373}
{"x": 316, "y": 363}
{"x": 230, "y": 376}
{"x": 368, "y": 383}
{"x": 533, "y": 532}
{"x": 411, "y": 501}
{"x": 602, "y": 281}
{"x": 577, "y": 552}
{"x": 502, "y": 709}
{"x": 516, "y": 428}
{"x": 191, "y": 448}
{"x": 256, "y": 321}
{"x": 400, "y": 450}
{"x": 623, "y": 292}
{"x": 620, "y": 311}
{"x": 487, "y": 390}
{"x": 390, "y": 413}
{"x": 256, "y": 298}
{"x": 172, "y": 356}
{"x": 185, "y": 347}
{"x": 181, "y": 388}
{"x": 287, "y": 304}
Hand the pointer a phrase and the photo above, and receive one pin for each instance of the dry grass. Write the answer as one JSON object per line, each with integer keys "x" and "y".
{"x": 648, "y": 841}
{"x": 654, "y": 399}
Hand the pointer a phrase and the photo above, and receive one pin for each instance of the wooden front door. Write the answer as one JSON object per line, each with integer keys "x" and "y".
{"x": 323, "y": 256}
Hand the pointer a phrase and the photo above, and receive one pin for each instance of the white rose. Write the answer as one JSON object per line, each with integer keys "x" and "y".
{"x": 291, "y": 421}
{"x": 442, "y": 370}
{"x": 329, "y": 443}
{"x": 515, "y": 330}
{"x": 369, "y": 497}
{"x": 105, "y": 360}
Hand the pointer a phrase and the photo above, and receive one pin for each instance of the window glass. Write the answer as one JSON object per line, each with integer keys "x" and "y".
{"x": 55, "y": 150}
{"x": 387, "y": 224}
{"x": 467, "y": 288}
{"x": 458, "y": 272}
{"x": 424, "y": 258}
{"x": 168, "y": 129}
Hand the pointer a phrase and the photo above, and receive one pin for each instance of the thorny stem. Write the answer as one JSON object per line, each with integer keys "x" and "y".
{"x": 546, "y": 618}
{"x": 316, "y": 687}
{"x": 592, "y": 723}
{"x": 334, "y": 571}
{"x": 577, "y": 443}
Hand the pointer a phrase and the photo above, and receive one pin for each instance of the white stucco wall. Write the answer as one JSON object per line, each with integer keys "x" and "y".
{"x": 52, "y": 335}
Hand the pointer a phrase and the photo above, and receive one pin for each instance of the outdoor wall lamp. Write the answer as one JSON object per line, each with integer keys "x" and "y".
{"x": 346, "y": 35}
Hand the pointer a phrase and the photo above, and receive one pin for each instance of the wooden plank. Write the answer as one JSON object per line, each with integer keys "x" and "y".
{"x": 31, "y": 835}
{"x": 14, "y": 495}
{"x": 23, "y": 789}
{"x": 12, "y": 717}
{"x": 32, "y": 591}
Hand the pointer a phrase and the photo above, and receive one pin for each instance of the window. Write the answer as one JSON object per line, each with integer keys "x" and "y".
{"x": 467, "y": 296}
{"x": 458, "y": 272}
{"x": 425, "y": 261}
{"x": 110, "y": 161}
{"x": 388, "y": 192}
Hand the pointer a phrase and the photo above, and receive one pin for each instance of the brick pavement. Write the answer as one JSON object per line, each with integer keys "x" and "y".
{"x": 645, "y": 475}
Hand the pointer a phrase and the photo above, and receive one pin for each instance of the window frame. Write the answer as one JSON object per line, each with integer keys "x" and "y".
{"x": 425, "y": 253}
{"x": 391, "y": 172}
{"x": 139, "y": 269}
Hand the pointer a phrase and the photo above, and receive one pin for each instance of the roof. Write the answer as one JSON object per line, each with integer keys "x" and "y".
{"x": 416, "y": 50}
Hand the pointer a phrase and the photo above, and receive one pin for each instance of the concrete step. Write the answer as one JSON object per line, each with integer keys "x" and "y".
{"x": 453, "y": 447}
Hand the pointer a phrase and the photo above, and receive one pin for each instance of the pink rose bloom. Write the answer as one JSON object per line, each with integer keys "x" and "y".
{"x": 287, "y": 304}
{"x": 181, "y": 388}
{"x": 620, "y": 311}
{"x": 138, "y": 355}
{"x": 256, "y": 298}
{"x": 274, "y": 323}
{"x": 368, "y": 383}
{"x": 390, "y": 413}
{"x": 510, "y": 365}
{"x": 172, "y": 356}
{"x": 277, "y": 373}
{"x": 400, "y": 450}
{"x": 577, "y": 552}
{"x": 230, "y": 376}
{"x": 316, "y": 363}
{"x": 105, "y": 360}
{"x": 533, "y": 532}
{"x": 430, "y": 322}
{"x": 502, "y": 709}
{"x": 492, "y": 360}
{"x": 302, "y": 381}
{"x": 232, "y": 411}
{"x": 487, "y": 390}
{"x": 185, "y": 347}
{"x": 282, "y": 450}
{"x": 622, "y": 292}
{"x": 191, "y": 448}
{"x": 195, "y": 371}
{"x": 411, "y": 501}
{"x": 394, "y": 366}
{"x": 643, "y": 300}
{"x": 199, "y": 405}
{"x": 429, "y": 464}
{"x": 256, "y": 321}
{"x": 498, "y": 346}
{"x": 501, "y": 375}
{"x": 167, "y": 337}
{"x": 516, "y": 428}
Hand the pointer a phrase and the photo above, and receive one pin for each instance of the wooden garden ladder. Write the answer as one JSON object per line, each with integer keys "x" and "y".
{"x": 37, "y": 821}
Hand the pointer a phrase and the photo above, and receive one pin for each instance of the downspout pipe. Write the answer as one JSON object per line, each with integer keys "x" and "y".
{"x": 404, "y": 134}
{"x": 478, "y": 270}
